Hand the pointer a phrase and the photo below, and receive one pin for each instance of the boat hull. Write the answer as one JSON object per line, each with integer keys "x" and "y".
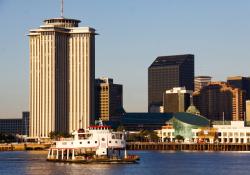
{"x": 98, "y": 161}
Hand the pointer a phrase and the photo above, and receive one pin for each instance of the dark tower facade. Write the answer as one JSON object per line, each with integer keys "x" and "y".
{"x": 242, "y": 83}
{"x": 167, "y": 72}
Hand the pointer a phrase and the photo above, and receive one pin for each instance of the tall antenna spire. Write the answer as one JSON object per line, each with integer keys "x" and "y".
{"x": 62, "y": 8}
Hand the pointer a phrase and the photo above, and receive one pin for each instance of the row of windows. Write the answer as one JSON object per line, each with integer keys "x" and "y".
{"x": 230, "y": 134}
{"x": 103, "y": 139}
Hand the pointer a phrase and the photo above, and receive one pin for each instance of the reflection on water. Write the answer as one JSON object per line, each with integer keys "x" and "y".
{"x": 152, "y": 162}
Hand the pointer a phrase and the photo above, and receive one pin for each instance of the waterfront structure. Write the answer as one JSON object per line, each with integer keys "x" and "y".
{"x": 181, "y": 121}
{"x": 181, "y": 124}
{"x": 235, "y": 132}
{"x": 201, "y": 81}
{"x": 219, "y": 101}
{"x": 62, "y": 72}
{"x": 109, "y": 98}
{"x": 240, "y": 82}
{"x": 176, "y": 99}
{"x": 15, "y": 125}
{"x": 167, "y": 72}
{"x": 247, "y": 111}
{"x": 166, "y": 133}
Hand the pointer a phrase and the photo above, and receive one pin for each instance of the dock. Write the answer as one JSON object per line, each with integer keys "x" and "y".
{"x": 23, "y": 147}
{"x": 188, "y": 146}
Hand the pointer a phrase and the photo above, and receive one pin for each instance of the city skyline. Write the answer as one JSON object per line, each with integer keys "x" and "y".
{"x": 215, "y": 32}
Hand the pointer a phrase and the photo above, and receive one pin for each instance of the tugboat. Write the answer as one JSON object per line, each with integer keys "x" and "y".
{"x": 97, "y": 144}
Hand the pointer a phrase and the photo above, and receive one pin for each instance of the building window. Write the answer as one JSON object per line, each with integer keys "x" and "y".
{"x": 242, "y": 134}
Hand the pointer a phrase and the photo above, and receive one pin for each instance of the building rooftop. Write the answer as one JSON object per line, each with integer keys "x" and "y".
{"x": 62, "y": 22}
{"x": 157, "y": 120}
{"x": 191, "y": 119}
{"x": 203, "y": 76}
{"x": 170, "y": 60}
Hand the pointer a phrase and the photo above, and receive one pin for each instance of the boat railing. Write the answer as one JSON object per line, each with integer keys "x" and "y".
{"x": 65, "y": 139}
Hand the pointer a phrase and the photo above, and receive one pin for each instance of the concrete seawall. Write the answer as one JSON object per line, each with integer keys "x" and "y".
{"x": 23, "y": 147}
{"x": 187, "y": 147}
{"x": 144, "y": 146}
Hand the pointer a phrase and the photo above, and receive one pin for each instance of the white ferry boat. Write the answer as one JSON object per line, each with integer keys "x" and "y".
{"x": 98, "y": 144}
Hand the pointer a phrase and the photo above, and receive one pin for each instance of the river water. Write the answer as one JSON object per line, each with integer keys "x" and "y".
{"x": 151, "y": 163}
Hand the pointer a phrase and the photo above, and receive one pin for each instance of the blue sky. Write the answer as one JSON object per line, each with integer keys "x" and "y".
{"x": 132, "y": 34}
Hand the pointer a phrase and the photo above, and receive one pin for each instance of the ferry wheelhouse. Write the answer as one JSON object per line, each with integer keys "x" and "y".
{"x": 96, "y": 144}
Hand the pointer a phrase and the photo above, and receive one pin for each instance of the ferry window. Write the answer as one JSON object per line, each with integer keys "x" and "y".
{"x": 109, "y": 141}
{"x": 113, "y": 136}
{"x": 219, "y": 134}
{"x": 71, "y": 143}
{"x": 103, "y": 139}
{"x": 115, "y": 141}
{"x": 95, "y": 141}
{"x": 80, "y": 142}
{"x": 242, "y": 134}
{"x": 88, "y": 142}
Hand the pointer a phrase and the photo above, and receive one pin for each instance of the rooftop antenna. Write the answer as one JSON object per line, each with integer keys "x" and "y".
{"x": 62, "y": 8}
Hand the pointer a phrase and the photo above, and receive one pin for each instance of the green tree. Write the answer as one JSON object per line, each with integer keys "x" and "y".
{"x": 179, "y": 138}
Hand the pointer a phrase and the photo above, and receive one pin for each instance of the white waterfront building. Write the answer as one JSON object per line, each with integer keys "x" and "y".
{"x": 236, "y": 132}
{"x": 166, "y": 133}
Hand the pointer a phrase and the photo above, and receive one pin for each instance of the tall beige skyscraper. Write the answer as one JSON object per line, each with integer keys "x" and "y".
{"x": 62, "y": 72}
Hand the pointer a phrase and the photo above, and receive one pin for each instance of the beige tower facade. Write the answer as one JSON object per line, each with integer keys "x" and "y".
{"x": 62, "y": 71}
{"x": 247, "y": 111}
{"x": 109, "y": 99}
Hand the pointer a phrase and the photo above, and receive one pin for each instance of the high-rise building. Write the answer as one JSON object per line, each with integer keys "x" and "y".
{"x": 218, "y": 101}
{"x": 176, "y": 99}
{"x": 62, "y": 71}
{"x": 248, "y": 111}
{"x": 242, "y": 83}
{"x": 109, "y": 99}
{"x": 25, "y": 122}
{"x": 201, "y": 81}
{"x": 167, "y": 72}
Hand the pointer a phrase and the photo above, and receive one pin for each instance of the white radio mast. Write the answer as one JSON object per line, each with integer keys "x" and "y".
{"x": 62, "y": 8}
